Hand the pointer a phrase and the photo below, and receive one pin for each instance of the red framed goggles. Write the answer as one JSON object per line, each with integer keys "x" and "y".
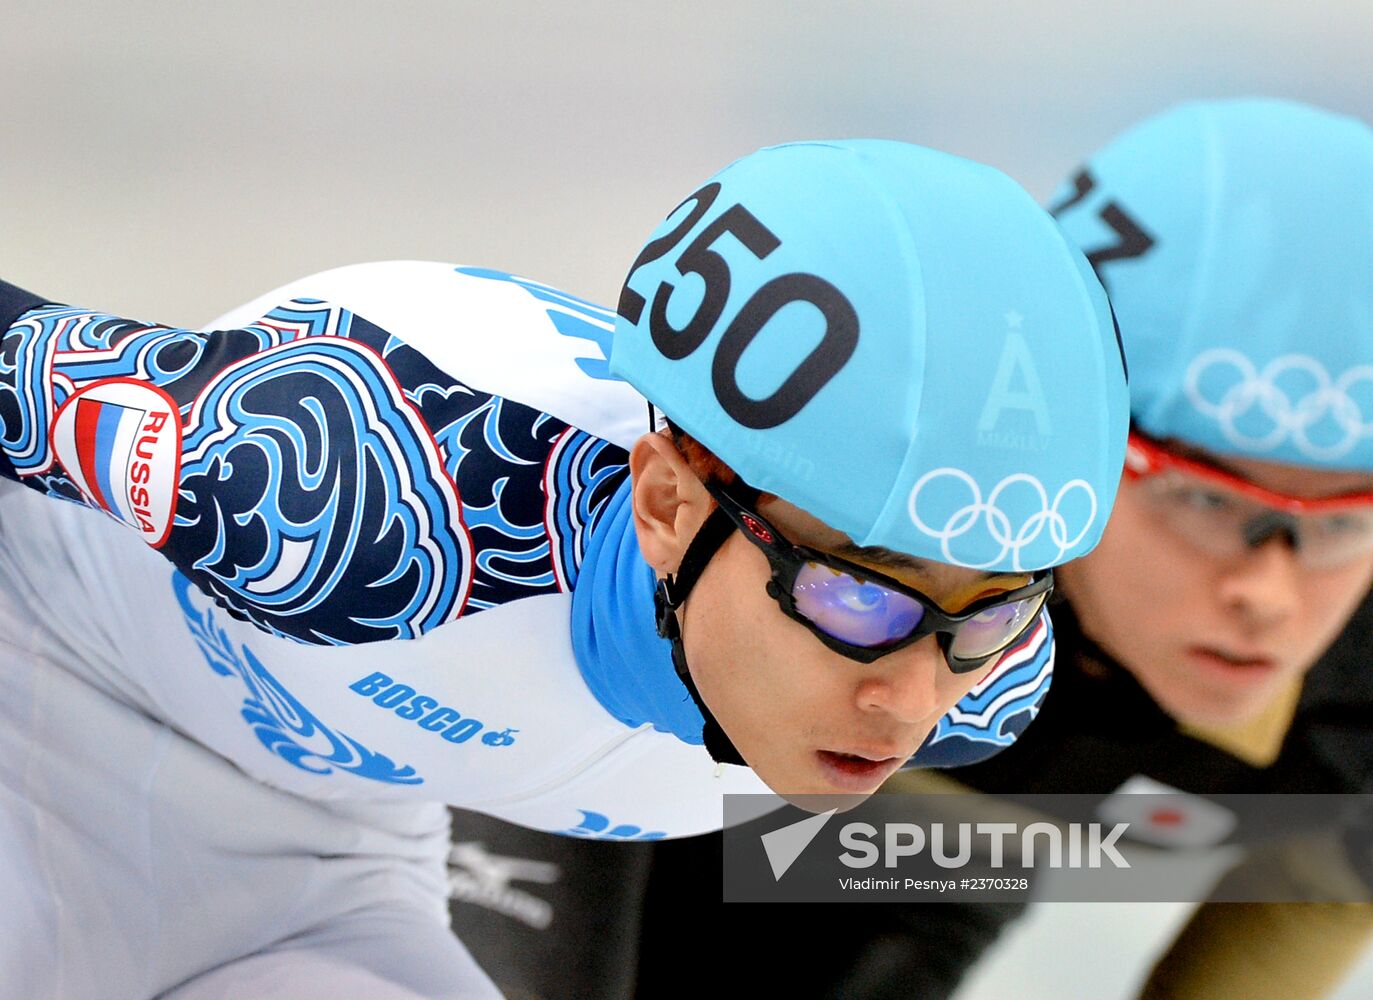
{"x": 1146, "y": 457}
{"x": 1227, "y": 515}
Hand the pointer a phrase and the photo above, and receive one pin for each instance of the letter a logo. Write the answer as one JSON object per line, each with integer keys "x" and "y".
{"x": 1016, "y": 385}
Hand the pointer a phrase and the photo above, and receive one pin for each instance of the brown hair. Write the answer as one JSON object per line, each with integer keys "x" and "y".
{"x": 704, "y": 462}
{"x": 707, "y": 465}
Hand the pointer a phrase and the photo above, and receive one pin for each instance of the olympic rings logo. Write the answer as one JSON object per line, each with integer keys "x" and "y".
{"x": 997, "y": 523}
{"x": 1328, "y": 402}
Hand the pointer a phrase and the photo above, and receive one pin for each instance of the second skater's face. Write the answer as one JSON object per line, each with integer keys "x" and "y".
{"x": 807, "y": 719}
{"x": 1215, "y": 633}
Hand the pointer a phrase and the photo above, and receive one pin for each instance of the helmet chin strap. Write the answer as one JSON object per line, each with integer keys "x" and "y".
{"x": 668, "y": 598}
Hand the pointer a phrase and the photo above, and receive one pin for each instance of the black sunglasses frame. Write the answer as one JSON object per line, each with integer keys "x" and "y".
{"x": 787, "y": 559}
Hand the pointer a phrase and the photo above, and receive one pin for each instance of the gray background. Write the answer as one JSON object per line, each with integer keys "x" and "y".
{"x": 169, "y": 160}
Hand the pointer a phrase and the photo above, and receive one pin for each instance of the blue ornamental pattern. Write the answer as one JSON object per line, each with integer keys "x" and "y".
{"x": 53, "y": 351}
{"x": 584, "y": 472}
{"x": 282, "y": 724}
{"x": 570, "y": 315}
{"x": 597, "y": 826}
{"x": 997, "y": 710}
{"x": 314, "y": 503}
{"x": 530, "y": 485}
{"x": 335, "y": 486}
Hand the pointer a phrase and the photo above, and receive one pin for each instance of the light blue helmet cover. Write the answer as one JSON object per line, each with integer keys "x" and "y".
{"x": 898, "y": 341}
{"x": 1236, "y": 240}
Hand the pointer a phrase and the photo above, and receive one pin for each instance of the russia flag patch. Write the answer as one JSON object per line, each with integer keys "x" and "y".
{"x": 120, "y": 441}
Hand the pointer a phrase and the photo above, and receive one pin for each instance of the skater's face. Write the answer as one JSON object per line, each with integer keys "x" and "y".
{"x": 806, "y": 718}
{"x": 1216, "y": 602}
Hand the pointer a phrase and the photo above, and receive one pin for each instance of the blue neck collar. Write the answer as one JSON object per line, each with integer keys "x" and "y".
{"x": 624, "y": 662}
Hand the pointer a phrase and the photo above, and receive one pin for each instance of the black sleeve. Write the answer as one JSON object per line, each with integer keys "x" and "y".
{"x": 14, "y": 302}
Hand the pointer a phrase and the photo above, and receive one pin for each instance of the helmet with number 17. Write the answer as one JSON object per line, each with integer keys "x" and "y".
{"x": 1236, "y": 240}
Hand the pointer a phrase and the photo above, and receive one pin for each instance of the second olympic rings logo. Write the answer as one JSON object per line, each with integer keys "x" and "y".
{"x": 1291, "y": 419}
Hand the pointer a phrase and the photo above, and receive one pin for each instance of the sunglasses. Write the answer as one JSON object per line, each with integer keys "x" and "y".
{"x": 865, "y": 615}
{"x": 1223, "y": 514}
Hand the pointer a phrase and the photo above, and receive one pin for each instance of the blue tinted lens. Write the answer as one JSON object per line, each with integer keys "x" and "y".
{"x": 992, "y": 630}
{"x": 855, "y": 611}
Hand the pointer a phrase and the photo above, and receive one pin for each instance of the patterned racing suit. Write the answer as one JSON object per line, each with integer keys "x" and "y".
{"x": 367, "y": 550}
